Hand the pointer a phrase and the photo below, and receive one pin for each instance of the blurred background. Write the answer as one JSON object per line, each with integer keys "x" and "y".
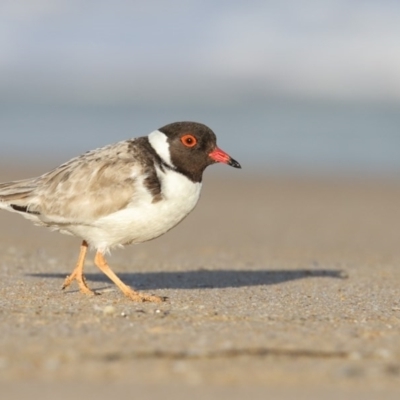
{"x": 300, "y": 86}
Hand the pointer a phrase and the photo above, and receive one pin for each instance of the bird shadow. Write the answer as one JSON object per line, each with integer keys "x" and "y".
{"x": 208, "y": 279}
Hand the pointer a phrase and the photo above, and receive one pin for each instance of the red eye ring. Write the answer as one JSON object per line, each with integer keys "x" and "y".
{"x": 189, "y": 140}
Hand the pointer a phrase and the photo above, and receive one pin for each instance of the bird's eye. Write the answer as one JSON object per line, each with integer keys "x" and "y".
{"x": 189, "y": 140}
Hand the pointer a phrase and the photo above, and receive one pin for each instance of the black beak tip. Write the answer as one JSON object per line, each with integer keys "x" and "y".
{"x": 233, "y": 163}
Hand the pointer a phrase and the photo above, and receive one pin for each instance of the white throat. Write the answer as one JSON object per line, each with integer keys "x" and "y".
{"x": 159, "y": 142}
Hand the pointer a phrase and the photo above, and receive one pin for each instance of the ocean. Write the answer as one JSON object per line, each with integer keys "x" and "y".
{"x": 274, "y": 137}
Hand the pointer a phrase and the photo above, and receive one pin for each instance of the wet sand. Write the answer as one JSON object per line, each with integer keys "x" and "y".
{"x": 275, "y": 286}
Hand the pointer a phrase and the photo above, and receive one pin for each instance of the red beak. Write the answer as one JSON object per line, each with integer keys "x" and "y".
{"x": 219, "y": 155}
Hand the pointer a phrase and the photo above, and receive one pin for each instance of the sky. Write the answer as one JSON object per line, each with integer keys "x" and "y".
{"x": 206, "y": 51}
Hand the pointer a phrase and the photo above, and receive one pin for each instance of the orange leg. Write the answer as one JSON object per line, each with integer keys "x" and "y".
{"x": 77, "y": 273}
{"x": 100, "y": 261}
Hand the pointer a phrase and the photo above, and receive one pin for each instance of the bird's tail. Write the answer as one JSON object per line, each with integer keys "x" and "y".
{"x": 16, "y": 194}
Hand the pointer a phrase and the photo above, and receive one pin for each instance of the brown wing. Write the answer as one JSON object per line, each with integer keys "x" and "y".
{"x": 88, "y": 191}
{"x": 93, "y": 185}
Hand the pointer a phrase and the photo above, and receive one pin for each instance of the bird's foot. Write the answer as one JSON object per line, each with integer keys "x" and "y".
{"x": 142, "y": 297}
{"x": 80, "y": 279}
{"x": 126, "y": 290}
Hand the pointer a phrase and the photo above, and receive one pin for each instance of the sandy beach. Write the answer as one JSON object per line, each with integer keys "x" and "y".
{"x": 275, "y": 285}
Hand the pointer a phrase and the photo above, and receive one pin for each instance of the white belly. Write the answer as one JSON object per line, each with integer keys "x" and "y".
{"x": 144, "y": 220}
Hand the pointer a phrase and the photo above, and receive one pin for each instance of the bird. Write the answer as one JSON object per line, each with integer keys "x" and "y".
{"x": 127, "y": 192}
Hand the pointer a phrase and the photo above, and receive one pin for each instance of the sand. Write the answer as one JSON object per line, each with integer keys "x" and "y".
{"x": 276, "y": 286}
